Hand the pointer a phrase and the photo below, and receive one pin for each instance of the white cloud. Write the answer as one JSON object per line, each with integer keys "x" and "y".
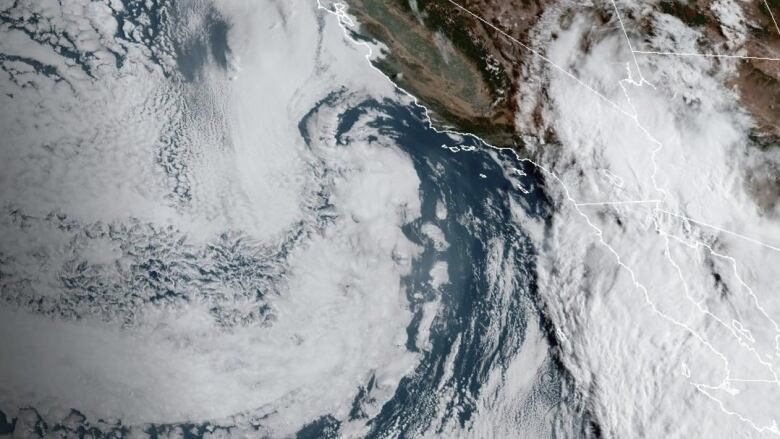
{"x": 214, "y": 166}
{"x": 637, "y": 293}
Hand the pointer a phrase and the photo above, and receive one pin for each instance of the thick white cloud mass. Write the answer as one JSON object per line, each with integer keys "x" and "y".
{"x": 121, "y": 189}
{"x": 659, "y": 270}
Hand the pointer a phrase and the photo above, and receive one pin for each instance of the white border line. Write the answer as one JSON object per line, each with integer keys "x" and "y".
{"x": 704, "y": 55}
{"x": 777, "y": 28}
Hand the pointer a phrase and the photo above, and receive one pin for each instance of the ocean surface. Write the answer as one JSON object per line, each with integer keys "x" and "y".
{"x": 142, "y": 271}
{"x": 482, "y": 322}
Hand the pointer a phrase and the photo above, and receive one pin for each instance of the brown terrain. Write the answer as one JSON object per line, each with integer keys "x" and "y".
{"x": 469, "y": 74}
{"x": 759, "y": 80}
{"x": 463, "y": 70}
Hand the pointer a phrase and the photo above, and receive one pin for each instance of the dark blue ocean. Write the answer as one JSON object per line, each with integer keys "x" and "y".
{"x": 477, "y": 195}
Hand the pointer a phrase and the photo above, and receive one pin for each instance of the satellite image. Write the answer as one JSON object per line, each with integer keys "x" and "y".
{"x": 389, "y": 219}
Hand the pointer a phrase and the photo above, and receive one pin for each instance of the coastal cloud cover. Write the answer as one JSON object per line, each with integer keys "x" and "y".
{"x": 658, "y": 273}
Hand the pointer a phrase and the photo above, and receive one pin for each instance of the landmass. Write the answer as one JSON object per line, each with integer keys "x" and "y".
{"x": 469, "y": 72}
